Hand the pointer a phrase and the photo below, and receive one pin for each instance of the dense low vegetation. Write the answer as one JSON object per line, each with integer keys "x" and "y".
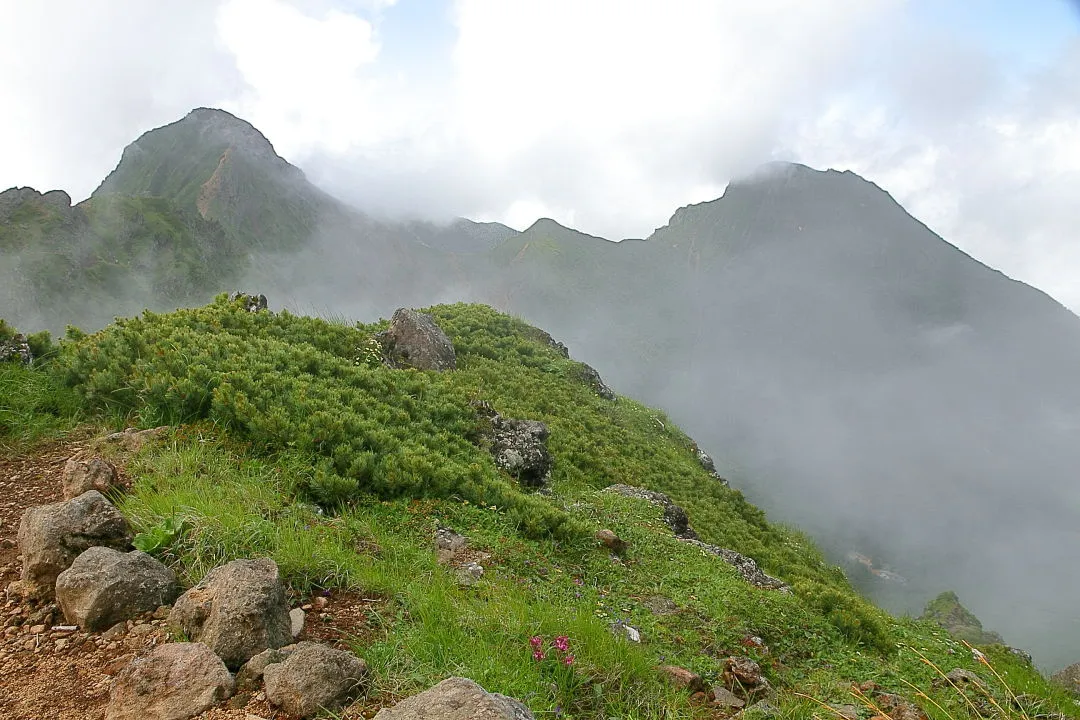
{"x": 291, "y": 439}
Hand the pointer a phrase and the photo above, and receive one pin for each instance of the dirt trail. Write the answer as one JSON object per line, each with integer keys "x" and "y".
{"x": 48, "y": 672}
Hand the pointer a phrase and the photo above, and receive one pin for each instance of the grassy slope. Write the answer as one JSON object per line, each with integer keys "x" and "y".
{"x": 256, "y": 469}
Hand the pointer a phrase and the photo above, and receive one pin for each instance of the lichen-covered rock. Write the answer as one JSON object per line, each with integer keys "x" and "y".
{"x": 592, "y": 378}
{"x": 52, "y": 536}
{"x": 674, "y": 516}
{"x": 250, "y": 303}
{"x": 176, "y": 681}
{"x": 105, "y": 586}
{"x": 414, "y": 340}
{"x": 518, "y": 446}
{"x": 746, "y": 566}
{"x": 456, "y": 699}
{"x": 449, "y": 544}
{"x": 131, "y": 439}
{"x": 82, "y": 474}
{"x": 314, "y": 677}
{"x": 238, "y": 610}
{"x": 16, "y": 349}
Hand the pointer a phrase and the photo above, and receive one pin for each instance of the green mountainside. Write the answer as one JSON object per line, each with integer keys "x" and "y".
{"x": 290, "y": 438}
{"x": 854, "y": 374}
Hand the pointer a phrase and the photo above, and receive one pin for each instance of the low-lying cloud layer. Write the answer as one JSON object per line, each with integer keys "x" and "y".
{"x": 605, "y": 115}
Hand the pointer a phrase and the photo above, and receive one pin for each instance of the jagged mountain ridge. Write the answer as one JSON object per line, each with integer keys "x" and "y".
{"x": 853, "y": 371}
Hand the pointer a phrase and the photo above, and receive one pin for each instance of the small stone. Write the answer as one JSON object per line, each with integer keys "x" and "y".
{"x": 724, "y": 698}
{"x": 682, "y": 678}
{"x": 61, "y": 643}
{"x": 610, "y": 540}
{"x": 320, "y": 602}
{"x": 296, "y": 622}
{"x": 37, "y": 629}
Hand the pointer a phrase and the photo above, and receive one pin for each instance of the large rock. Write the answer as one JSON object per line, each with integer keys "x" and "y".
{"x": 83, "y": 474}
{"x": 414, "y": 340}
{"x": 746, "y": 566}
{"x": 518, "y": 446}
{"x": 176, "y": 681}
{"x": 16, "y": 349}
{"x": 105, "y": 586}
{"x": 52, "y": 536}
{"x": 314, "y": 677}
{"x": 674, "y": 516}
{"x": 250, "y": 303}
{"x": 456, "y": 699}
{"x": 238, "y": 610}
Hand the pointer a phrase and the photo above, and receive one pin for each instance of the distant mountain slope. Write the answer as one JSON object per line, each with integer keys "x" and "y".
{"x": 109, "y": 255}
{"x": 859, "y": 376}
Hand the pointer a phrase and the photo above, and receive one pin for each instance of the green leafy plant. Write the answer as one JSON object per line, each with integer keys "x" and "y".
{"x": 160, "y": 537}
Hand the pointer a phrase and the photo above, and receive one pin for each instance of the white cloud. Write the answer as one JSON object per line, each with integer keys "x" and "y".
{"x": 606, "y": 114}
{"x": 81, "y": 80}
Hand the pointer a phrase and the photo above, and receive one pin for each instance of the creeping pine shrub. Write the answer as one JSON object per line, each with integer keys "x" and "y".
{"x": 284, "y": 382}
{"x": 856, "y": 619}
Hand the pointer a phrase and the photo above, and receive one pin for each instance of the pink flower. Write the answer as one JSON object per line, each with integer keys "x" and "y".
{"x": 568, "y": 660}
{"x": 538, "y": 655}
{"x": 536, "y": 641}
{"x": 562, "y": 643}
{"x": 579, "y": 581}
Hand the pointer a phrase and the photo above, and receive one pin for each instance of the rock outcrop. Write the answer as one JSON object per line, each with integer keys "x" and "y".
{"x": 674, "y": 516}
{"x": 105, "y": 586}
{"x": 746, "y": 566}
{"x": 518, "y": 446}
{"x": 456, "y": 699}
{"x": 414, "y": 340}
{"x": 314, "y": 677}
{"x": 52, "y": 536}
{"x": 16, "y": 349}
{"x": 238, "y": 610}
{"x": 592, "y": 378}
{"x": 175, "y": 681}
{"x": 251, "y": 303}
{"x": 90, "y": 473}
{"x": 946, "y": 611}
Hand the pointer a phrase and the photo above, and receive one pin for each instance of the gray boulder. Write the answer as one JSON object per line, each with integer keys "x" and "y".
{"x": 176, "y": 681}
{"x": 314, "y": 677}
{"x": 251, "y": 303}
{"x": 84, "y": 474}
{"x": 251, "y": 674}
{"x": 238, "y": 610}
{"x": 105, "y": 586}
{"x": 592, "y": 378}
{"x": 746, "y": 566}
{"x": 414, "y": 340}
{"x": 17, "y": 350}
{"x": 456, "y": 699}
{"x": 52, "y": 536}
{"x": 674, "y": 516}
{"x": 518, "y": 446}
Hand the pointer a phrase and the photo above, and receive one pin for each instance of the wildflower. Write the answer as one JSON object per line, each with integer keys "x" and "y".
{"x": 562, "y": 643}
{"x": 568, "y": 660}
{"x": 579, "y": 581}
{"x": 538, "y": 655}
{"x": 536, "y": 641}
